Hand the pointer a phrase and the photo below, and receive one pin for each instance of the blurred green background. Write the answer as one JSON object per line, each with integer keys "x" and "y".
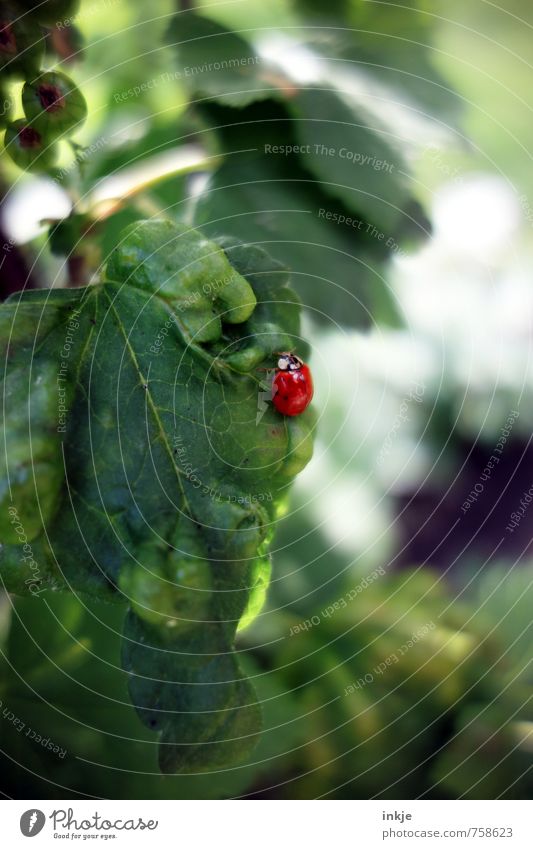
{"x": 393, "y": 657}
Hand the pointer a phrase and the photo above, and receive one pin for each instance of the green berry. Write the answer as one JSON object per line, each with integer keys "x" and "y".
{"x": 53, "y": 104}
{"x": 28, "y": 148}
{"x": 21, "y": 46}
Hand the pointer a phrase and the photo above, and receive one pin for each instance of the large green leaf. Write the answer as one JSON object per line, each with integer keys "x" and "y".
{"x": 354, "y": 158}
{"x": 266, "y": 197}
{"x": 59, "y": 680}
{"x": 136, "y": 466}
{"x": 216, "y": 62}
{"x": 311, "y": 172}
{"x": 389, "y": 49}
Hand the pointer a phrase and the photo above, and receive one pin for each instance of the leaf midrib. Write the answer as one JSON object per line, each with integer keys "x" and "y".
{"x": 150, "y": 400}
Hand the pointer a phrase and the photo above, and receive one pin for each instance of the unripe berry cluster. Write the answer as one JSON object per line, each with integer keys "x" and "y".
{"x": 53, "y": 105}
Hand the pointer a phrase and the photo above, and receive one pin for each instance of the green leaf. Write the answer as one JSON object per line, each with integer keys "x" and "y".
{"x": 388, "y": 47}
{"x": 136, "y": 465}
{"x": 354, "y": 158}
{"x": 63, "y": 683}
{"x": 206, "y": 710}
{"x": 308, "y": 152}
{"x": 266, "y": 197}
{"x": 216, "y": 62}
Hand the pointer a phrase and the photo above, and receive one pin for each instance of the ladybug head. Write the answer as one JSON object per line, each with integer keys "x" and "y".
{"x": 289, "y": 362}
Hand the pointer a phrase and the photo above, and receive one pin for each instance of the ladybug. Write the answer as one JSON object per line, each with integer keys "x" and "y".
{"x": 292, "y": 385}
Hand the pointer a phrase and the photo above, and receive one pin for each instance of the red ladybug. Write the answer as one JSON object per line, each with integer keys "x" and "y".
{"x": 292, "y": 386}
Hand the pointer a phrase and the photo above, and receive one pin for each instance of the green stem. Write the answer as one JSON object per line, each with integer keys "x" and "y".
{"x": 114, "y": 193}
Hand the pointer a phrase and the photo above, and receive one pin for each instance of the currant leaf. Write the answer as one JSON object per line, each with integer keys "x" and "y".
{"x": 136, "y": 467}
{"x": 216, "y": 62}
